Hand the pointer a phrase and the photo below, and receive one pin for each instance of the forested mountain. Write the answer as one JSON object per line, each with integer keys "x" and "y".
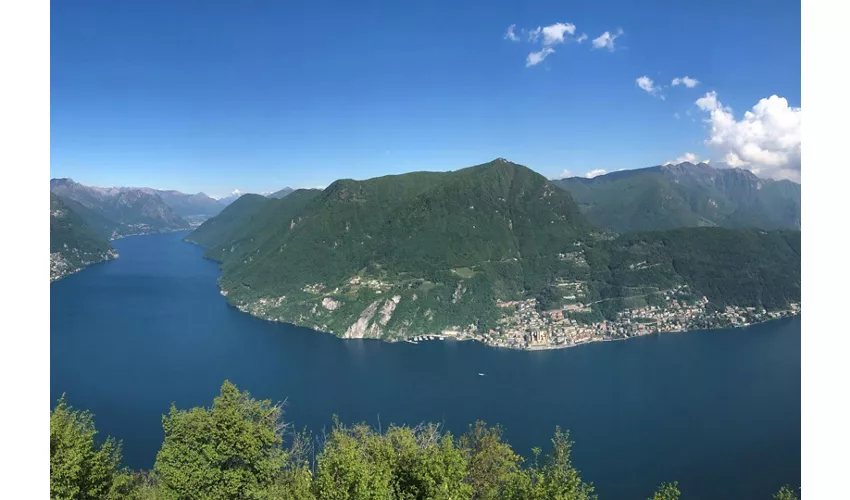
{"x": 427, "y": 252}
{"x": 73, "y": 244}
{"x": 685, "y": 195}
{"x": 116, "y": 212}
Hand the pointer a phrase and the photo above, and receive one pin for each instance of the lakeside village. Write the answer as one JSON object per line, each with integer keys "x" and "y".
{"x": 525, "y": 327}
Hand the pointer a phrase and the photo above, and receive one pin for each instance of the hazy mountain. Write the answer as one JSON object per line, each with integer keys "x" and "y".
{"x": 227, "y": 200}
{"x": 116, "y": 212}
{"x": 188, "y": 205}
{"x": 73, "y": 244}
{"x": 422, "y": 252}
{"x": 685, "y": 195}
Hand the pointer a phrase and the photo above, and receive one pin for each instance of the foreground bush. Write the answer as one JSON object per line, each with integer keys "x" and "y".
{"x": 235, "y": 450}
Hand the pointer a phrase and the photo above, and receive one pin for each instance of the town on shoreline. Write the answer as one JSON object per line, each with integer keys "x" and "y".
{"x": 524, "y": 326}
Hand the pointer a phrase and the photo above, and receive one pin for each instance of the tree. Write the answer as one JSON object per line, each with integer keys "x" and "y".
{"x": 785, "y": 493}
{"x": 667, "y": 491}
{"x": 232, "y": 450}
{"x": 555, "y": 479}
{"x": 79, "y": 469}
{"x": 492, "y": 464}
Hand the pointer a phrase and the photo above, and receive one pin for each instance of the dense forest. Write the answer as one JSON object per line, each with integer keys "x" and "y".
{"x": 423, "y": 252}
{"x": 240, "y": 448}
{"x": 685, "y": 195}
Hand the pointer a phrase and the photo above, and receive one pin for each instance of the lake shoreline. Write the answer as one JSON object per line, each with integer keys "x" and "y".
{"x": 439, "y": 336}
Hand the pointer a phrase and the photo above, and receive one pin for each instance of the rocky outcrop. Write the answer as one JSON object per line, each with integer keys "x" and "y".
{"x": 361, "y": 327}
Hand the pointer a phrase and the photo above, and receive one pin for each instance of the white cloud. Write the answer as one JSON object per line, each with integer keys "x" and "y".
{"x": 537, "y": 57}
{"x": 676, "y": 115}
{"x": 606, "y": 40}
{"x": 687, "y": 157}
{"x": 767, "y": 140}
{"x": 555, "y": 33}
{"x": 552, "y": 34}
{"x": 646, "y": 84}
{"x": 708, "y": 102}
{"x": 686, "y": 81}
{"x": 547, "y": 36}
{"x": 595, "y": 173}
{"x": 565, "y": 173}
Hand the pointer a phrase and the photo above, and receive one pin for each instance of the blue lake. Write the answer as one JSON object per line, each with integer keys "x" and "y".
{"x": 719, "y": 411}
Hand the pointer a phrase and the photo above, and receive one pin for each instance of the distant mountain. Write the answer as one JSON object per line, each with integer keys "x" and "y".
{"x": 227, "y": 200}
{"x": 429, "y": 252}
{"x": 117, "y": 212}
{"x": 73, "y": 244}
{"x": 188, "y": 205}
{"x": 685, "y": 195}
{"x": 282, "y": 193}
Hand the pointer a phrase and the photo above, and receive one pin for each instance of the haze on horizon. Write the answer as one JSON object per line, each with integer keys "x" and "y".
{"x": 227, "y": 97}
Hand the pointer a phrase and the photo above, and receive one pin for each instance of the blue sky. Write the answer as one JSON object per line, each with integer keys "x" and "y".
{"x": 216, "y": 95}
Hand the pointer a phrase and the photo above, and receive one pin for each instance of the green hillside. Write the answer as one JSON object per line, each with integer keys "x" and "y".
{"x": 428, "y": 252}
{"x": 685, "y": 195}
{"x": 73, "y": 244}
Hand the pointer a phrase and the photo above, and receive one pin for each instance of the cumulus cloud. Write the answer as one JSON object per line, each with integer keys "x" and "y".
{"x": 510, "y": 35}
{"x": 646, "y": 84}
{"x": 565, "y": 173}
{"x": 595, "y": 173}
{"x": 766, "y": 140}
{"x": 606, "y": 40}
{"x": 686, "y": 81}
{"x": 687, "y": 157}
{"x": 582, "y": 38}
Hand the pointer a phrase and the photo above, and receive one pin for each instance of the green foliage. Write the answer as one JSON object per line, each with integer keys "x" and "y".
{"x": 667, "y": 491}
{"x": 79, "y": 469}
{"x": 785, "y": 493}
{"x": 236, "y": 450}
{"x": 555, "y": 478}
{"x": 232, "y": 450}
{"x": 685, "y": 195}
{"x": 744, "y": 267}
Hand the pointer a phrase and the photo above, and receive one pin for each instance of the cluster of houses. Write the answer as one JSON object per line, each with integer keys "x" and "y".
{"x": 524, "y": 326}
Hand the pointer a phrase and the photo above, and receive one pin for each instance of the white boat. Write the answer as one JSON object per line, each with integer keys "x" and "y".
{"x": 481, "y": 374}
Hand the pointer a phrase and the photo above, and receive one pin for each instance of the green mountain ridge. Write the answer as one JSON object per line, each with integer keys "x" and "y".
{"x": 435, "y": 252}
{"x": 73, "y": 244}
{"x": 685, "y": 195}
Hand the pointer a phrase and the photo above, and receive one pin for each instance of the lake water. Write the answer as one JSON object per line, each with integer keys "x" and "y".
{"x": 719, "y": 411}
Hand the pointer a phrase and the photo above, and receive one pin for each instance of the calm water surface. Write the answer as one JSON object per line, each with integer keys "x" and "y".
{"x": 718, "y": 411}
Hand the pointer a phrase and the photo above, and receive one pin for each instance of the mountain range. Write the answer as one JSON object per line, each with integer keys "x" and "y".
{"x": 117, "y": 212}
{"x": 685, "y": 195}
{"x": 424, "y": 252}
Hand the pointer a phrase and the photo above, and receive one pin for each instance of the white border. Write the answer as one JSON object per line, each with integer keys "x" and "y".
{"x": 24, "y": 282}
{"x": 25, "y": 153}
{"x": 825, "y": 343}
